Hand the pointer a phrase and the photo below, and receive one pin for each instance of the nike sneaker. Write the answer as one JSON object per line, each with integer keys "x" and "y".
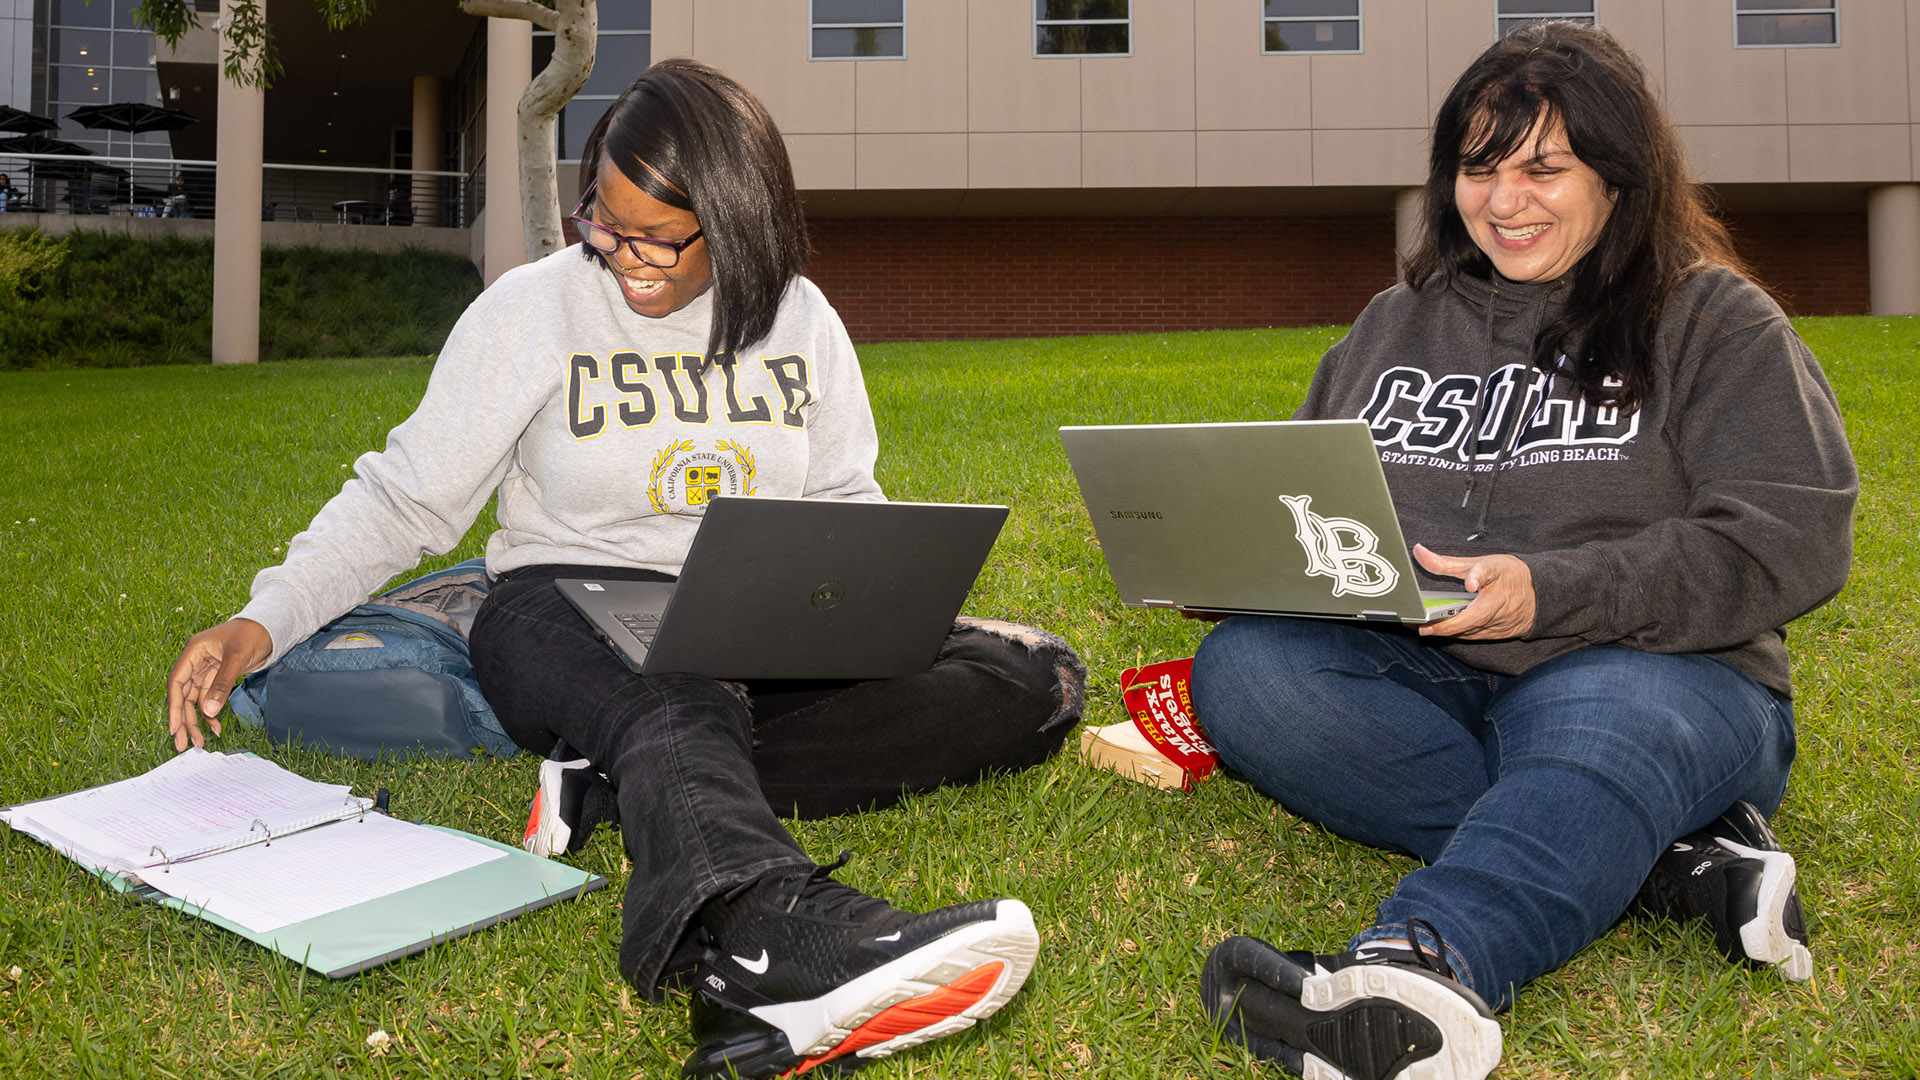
{"x": 1367, "y": 1014}
{"x": 572, "y": 798}
{"x": 1734, "y": 875}
{"x": 807, "y": 974}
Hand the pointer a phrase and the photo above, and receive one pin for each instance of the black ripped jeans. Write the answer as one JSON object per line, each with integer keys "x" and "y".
{"x": 700, "y": 767}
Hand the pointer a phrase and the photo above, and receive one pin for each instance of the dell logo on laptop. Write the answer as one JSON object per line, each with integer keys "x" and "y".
{"x": 829, "y": 594}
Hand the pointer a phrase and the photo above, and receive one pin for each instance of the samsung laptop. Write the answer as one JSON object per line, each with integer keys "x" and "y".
{"x": 800, "y": 589}
{"x": 1281, "y": 518}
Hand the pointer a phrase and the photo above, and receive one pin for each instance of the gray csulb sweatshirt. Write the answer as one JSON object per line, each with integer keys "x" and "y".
{"x": 1703, "y": 522}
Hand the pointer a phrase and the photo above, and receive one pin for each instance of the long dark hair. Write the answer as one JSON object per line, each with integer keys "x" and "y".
{"x": 1660, "y": 231}
{"x": 694, "y": 139}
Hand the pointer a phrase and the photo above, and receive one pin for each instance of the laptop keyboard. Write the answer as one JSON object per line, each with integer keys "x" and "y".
{"x": 642, "y": 624}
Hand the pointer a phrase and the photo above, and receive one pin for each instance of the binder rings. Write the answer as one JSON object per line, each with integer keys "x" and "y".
{"x": 339, "y": 890}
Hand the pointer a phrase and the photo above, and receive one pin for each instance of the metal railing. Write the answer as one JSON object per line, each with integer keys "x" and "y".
{"x": 180, "y": 187}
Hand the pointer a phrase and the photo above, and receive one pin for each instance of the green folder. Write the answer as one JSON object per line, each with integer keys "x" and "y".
{"x": 353, "y": 939}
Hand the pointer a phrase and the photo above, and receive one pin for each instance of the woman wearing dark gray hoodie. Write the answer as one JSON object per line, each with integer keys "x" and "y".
{"x": 1589, "y": 414}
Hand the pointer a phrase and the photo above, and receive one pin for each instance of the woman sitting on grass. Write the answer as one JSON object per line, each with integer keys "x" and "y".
{"x": 687, "y": 300}
{"x": 1623, "y": 447}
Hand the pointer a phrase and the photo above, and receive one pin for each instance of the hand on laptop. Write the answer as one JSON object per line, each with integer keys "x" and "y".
{"x": 205, "y": 672}
{"x": 1504, "y": 607}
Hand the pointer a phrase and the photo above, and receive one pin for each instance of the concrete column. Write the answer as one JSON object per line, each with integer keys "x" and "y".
{"x": 236, "y": 217}
{"x": 1893, "y": 249}
{"x": 429, "y": 148}
{"x": 509, "y": 70}
{"x": 1408, "y": 205}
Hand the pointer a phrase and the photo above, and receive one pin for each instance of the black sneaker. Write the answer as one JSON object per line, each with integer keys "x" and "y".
{"x": 1734, "y": 875}
{"x": 572, "y": 798}
{"x": 1368, "y": 1014}
{"x": 806, "y": 973}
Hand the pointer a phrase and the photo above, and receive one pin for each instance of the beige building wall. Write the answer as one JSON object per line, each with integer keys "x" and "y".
{"x": 1197, "y": 120}
{"x": 1197, "y": 112}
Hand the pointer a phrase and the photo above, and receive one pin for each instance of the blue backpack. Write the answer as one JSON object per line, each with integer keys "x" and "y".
{"x": 391, "y": 676}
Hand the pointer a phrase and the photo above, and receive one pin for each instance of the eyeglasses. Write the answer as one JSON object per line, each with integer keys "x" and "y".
{"x": 664, "y": 254}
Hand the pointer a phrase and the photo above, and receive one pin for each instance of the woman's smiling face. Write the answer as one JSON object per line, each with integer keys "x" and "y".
{"x": 621, "y": 206}
{"x": 1536, "y": 212}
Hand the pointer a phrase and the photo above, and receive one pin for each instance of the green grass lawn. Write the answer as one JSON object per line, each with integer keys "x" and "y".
{"x": 137, "y": 504}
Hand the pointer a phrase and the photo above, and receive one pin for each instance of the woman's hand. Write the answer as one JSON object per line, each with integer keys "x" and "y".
{"x": 205, "y": 673}
{"x": 1504, "y": 607}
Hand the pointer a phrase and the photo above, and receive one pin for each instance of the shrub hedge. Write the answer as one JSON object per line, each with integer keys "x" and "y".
{"x": 116, "y": 302}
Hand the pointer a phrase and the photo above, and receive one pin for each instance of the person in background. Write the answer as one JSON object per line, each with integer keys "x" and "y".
{"x": 399, "y": 202}
{"x": 176, "y": 205}
{"x": 678, "y": 334}
{"x": 1591, "y": 415}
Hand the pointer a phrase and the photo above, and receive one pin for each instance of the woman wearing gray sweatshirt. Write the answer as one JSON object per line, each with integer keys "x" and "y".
{"x": 1589, "y": 415}
{"x": 605, "y": 393}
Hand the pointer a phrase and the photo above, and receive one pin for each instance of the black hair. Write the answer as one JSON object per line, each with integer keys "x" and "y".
{"x": 1579, "y": 79}
{"x": 694, "y": 139}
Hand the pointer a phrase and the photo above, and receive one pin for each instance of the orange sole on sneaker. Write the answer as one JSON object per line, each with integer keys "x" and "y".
{"x": 900, "y": 1022}
{"x": 533, "y": 821}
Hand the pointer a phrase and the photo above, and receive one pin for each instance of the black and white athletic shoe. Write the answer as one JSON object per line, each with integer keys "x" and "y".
{"x": 1734, "y": 875}
{"x": 1367, "y": 1014}
{"x": 566, "y": 806}
{"x": 806, "y": 974}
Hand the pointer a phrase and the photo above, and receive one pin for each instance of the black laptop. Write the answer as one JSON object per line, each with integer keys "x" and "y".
{"x": 800, "y": 589}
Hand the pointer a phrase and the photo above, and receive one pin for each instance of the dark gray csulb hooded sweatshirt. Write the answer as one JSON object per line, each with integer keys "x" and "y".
{"x": 1703, "y": 522}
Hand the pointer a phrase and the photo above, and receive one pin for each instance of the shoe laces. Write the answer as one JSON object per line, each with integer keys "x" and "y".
{"x": 1435, "y": 962}
{"x": 825, "y": 896}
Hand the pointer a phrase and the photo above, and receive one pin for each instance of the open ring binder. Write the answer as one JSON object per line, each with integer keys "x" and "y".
{"x": 335, "y": 900}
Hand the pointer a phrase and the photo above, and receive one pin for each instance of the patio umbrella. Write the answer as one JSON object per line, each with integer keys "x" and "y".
{"x": 24, "y": 122}
{"x": 40, "y": 144}
{"x": 132, "y": 117}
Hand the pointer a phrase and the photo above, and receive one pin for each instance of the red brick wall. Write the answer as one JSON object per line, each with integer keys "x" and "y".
{"x": 900, "y": 279}
{"x": 1815, "y": 263}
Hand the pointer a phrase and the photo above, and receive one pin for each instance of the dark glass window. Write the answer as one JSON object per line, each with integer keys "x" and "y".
{"x": 1514, "y": 14}
{"x": 80, "y": 85}
{"x": 1765, "y": 23}
{"x": 1082, "y": 27}
{"x": 618, "y": 59}
{"x": 84, "y": 47}
{"x": 623, "y": 50}
{"x": 1310, "y": 26}
{"x": 81, "y": 13}
{"x": 858, "y": 30}
{"x": 576, "y": 123}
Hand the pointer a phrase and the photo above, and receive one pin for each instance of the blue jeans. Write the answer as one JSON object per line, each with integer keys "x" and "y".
{"x": 1538, "y": 801}
{"x": 699, "y": 766}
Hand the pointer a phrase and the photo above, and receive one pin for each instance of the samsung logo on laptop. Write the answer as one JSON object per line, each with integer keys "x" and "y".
{"x": 1140, "y": 515}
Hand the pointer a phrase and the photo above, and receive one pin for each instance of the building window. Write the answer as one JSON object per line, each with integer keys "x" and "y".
{"x": 1290, "y": 26}
{"x": 858, "y": 30}
{"x": 1511, "y": 15}
{"x": 622, "y": 51}
{"x": 93, "y": 54}
{"x": 1082, "y": 28}
{"x": 1773, "y": 24}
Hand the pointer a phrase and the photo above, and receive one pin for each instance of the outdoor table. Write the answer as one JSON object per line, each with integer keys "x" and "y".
{"x": 357, "y": 212}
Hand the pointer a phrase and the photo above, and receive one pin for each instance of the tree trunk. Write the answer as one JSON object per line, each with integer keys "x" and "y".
{"x": 576, "y": 30}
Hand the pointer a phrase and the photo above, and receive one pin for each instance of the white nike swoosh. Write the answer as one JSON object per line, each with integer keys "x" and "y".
{"x": 758, "y": 966}
{"x": 1680, "y": 845}
{"x": 895, "y": 936}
